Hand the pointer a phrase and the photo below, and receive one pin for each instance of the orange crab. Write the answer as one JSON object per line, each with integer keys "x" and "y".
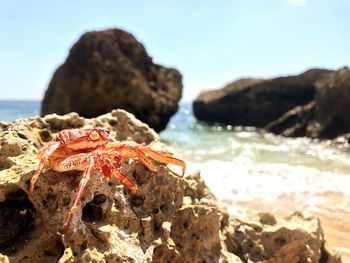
{"x": 90, "y": 149}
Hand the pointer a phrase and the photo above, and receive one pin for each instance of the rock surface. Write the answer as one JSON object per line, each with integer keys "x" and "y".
{"x": 256, "y": 102}
{"x": 172, "y": 219}
{"x": 325, "y": 117}
{"x": 110, "y": 69}
{"x": 332, "y": 111}
{"x": 313, "y": 104}
{"x": 263, "y": 238}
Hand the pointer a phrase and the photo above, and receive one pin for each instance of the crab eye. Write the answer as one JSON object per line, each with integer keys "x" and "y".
{"x": 94, "y": 135}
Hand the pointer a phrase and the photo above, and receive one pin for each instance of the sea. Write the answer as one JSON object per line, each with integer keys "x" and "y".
{"x": 252, "y": 171}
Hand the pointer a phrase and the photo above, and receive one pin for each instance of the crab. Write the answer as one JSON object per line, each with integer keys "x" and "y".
{"x": 88, "y": 150}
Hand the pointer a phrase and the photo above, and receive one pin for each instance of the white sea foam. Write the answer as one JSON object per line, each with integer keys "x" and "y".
{"x": 244, "y": 180}
{"x": 242, "y": 165}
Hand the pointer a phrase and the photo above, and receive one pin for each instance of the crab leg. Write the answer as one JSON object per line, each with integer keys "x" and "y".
{"x": 111, "y": 166}
{"x": 142, "y": 153}
{"x": 47, "y": 153}
{"x": 123, "y": 178}
{"x": 128, "y": 151}
{"x": 82, "y": 184}
{"x": 163, "y": 158}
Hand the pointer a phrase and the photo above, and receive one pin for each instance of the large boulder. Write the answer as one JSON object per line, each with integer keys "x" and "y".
{"x": 172, "y": 219}
{"x": 256, "y": 102}
{"x": 325, "y": 117}
{"x": 110, "y": 69}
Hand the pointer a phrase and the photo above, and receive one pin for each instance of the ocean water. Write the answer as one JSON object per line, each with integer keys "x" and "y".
{"x": 252, "y": 171}
{"x": 15, "y": 109}
{"x": 245, "y": 165}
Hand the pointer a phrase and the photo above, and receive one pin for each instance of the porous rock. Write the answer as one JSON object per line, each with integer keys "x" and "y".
{"x": 111, "y": 224}
{"x": 263, "y": 238}
{"x": 171, "y": 219}
{"x": 110, "y": 69}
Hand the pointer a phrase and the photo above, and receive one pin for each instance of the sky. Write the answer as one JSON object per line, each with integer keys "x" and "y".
{"x": 210, "y": 42}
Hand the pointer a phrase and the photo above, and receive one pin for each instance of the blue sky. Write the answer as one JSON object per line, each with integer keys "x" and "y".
{"x": 210, "y": 42}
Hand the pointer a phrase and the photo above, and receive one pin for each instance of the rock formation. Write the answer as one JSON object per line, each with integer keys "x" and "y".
{"x": 172, "y": 219}
{"x": 325, "y": 117}
{"x": 256, "y": 102}
{"x": 313, "y": 104}
{"x": 332, "y": 111}
{"x": 110, "y": 69}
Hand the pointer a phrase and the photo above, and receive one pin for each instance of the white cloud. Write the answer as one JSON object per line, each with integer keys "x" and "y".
{"x": 298, "y": 2}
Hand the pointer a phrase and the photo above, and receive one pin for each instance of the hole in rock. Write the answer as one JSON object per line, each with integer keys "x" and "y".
{"x": 155, "y": 210}
{"x": 24, "y": 148}
{"x": 136, "y": 177}
{"x": 16, "y": 215}
{"x": 195, "y": 236}
{"x": 45, "y": 135}
{"x": 51, "y": 250}
{"x": 137, "y": 200}
{"x": 92, "y": 211}
{"x": 5, "y": 163}
{"x": 99, "y": 199}
{"x": 83, "y": 246}
{"x": 280, "y": 241}
{"x": 112, "y": 122}
{"x": 22, "y": 136}
{"x": 164, "y": 208}
{"x": 156, "y": 227}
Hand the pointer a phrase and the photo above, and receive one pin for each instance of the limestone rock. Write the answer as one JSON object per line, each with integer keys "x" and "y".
{"x": 296, "y": 238}
{"x": 171, "y": 219}
{"x": 112, "y": 224}
{"x": 110, "y": 69}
